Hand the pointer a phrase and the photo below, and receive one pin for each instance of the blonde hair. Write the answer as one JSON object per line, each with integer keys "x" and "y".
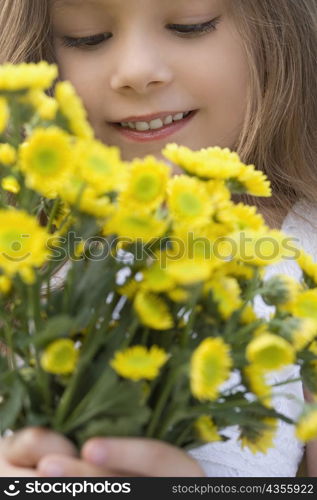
{"x": 280, "y": 37}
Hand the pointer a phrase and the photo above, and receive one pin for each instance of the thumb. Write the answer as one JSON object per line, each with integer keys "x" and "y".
{"x": 26, "y": 447}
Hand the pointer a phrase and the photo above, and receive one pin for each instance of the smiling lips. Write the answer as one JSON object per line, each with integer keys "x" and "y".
{"x": 153, "y": 127}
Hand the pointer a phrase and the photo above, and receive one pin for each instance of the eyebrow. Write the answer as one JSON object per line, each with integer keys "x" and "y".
{"x": 73, "y": 3}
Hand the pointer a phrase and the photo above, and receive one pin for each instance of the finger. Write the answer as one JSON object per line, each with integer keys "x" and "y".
{"x": 143, "y": 457}
{"x": 8, "y": 470}
{"x": 309, "y": 397}
{"x": 62, "y": 466}
{"x": 26, "y": 447}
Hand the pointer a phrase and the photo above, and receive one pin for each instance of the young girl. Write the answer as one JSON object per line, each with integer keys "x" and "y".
{"x": 233, "y": 73}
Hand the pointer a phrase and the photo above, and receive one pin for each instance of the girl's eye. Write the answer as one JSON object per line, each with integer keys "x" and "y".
{"x": 87, "y": 41}
{"x": 194, "y": 29}
{"x": 180, "y": 29}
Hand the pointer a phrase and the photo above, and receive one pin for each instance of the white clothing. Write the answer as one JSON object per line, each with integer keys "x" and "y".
{"x": 228, "y": 459}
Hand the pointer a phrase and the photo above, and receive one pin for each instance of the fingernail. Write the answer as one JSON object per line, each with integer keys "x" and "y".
{"x": 52, "y": 469}
{"x": 96, "y": 454}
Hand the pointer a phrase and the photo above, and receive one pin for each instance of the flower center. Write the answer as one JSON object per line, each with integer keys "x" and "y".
{"x": 189, "y": 204}
{"x": 146, "y": 188}
{"x": 46, "y": 161}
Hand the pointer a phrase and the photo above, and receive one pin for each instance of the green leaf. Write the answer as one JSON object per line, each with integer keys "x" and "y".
{"x": 116, "y": 427}
{"x": 308, "y": 373}
{"x": 55, "y": 328}
{"x": 108, "y": 398}
{"x": 3, "y": 365}
{"x": 12, "y": 393}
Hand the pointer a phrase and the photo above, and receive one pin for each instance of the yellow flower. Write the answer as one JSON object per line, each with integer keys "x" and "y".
{"x": 246, "y": 217}
{"x": 8, "y": 154}
{"x": 60, "y": 357}
{"x": 259, "y": 248}
{"x": 238, "y": 270}
{"x": 219, "y": 193}
{"x": 260, "y": 440}
{"x": 186, "y": 271}
{"x": 46, "y": 159}
{"x": 45, "y": 106}
{"x": 254, "y": 181}
{"x": 129, "y": 289}
{"x": 23, "y": 242}
{"x": 178, "y": 295}
{"x": 210, "y": 367}
{"x": 100, "y": 166}
{"x": 248, "y": 315}
{"x": 138, "y": 362}
{"x": 146, "y": 186}
{"x": 5, "y": 285}
{"x": 304, "y": 334}
{"x": 210, "y": 163}
{"x": 306, "y": 427}
{"x": 306, "y": 304}
{"x": 226, "y": 293}
{"x": 188, "y": 201}
{"x": 156, "y": 279}
{"x": 25, "y": 76}
{"x": 153, "y": 311}
{"x": 308, "y": 266}
{"x": 76, "y": 192}
{"x": 270, "y": 352}
{"x": 72, "y": 108}
{"x": 135, "y": 226}
{"x": 4, "y": 114}
{"x": 206, "y": 429}
{"x": 80, "y": 249}
{"x": 258, "y": 384}
{"x": 10, "y": 184}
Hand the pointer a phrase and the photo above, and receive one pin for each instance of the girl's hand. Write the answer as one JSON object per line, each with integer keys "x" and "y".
{"x": 122, "y": 457}
{"x": 21, "y": 452}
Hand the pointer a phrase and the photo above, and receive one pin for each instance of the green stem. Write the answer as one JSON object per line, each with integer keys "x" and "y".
{"x": 145, "y": 336}
{"x": 183, "y": 434}
{"x": 34, "y": 311}
{"x": 130, "y": 334}
{"x": 53, "y": 215}
{"x": 289, "y": 381}
{"x": 89, "y": 350}
{"x": 161, "y": 402}
{"x": 11, "y": 357}
{"x": 166, "y": 423}
{"x": 192, "y": 306}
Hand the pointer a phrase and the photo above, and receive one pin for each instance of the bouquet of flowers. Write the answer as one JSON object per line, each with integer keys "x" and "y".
{"x": 127, "y": 294}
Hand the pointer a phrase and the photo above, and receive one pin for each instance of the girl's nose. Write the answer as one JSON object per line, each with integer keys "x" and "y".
{"x": 139, "y": 66}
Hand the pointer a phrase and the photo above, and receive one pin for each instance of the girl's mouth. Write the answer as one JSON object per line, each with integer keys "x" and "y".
{"x": 156, "y": 129}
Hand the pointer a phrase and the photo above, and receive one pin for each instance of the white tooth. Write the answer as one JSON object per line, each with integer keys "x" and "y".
{"x": 179, "y": 116}
{"x": 142, "y": 126}
{"x": 168, "y": 119}
{"x": 124, "y": 124}
{"x": 131, "y": 125}
{"x": 154, "y": 124}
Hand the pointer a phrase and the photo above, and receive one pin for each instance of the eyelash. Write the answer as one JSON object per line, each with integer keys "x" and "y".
{"x": 185, "y": 30}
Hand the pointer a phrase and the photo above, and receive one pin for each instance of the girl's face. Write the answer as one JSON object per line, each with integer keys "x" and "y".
{"x": 146, "y": 61}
